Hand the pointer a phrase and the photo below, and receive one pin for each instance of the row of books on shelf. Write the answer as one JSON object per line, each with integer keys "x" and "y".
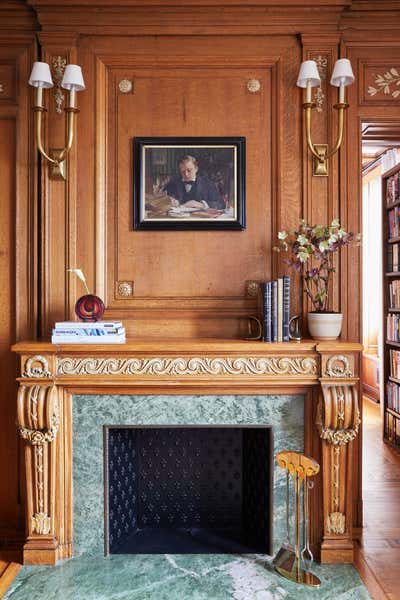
{"x": 394, "y": 222}
{"x": 393, "y": 328}
{"x": 276, "y": 309}
{"x": 99, "y": 332}
{"x": 393, "y": 188}
{"x": 392, "y": 428}
{"x": 393, "y": 255}
{"x": 394, "y": 363}
{"x": 393, "y": 396}
{"x": 394, "y": 294}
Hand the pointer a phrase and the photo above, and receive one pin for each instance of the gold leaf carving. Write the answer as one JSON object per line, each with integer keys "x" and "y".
{"x": 387, "y": 83}
{"x": 125, "y": 289}
{"x": 58, "y": 65}
{"x": 185, "y": 366}
{"x": 253, "y": 86}
{"x": 338, "y": 366}
{"x": 319, "y": 96}
{"x": 28, "y": 404}
{"x": 125, "y": 86}
{"x": 37, "y": 366}
{"x": 344, "y": 399}
{"x": 336, "y": 523}
{"x": 41, "y": 523}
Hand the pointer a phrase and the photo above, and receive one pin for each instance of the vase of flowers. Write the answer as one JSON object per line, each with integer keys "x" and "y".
{"x": 311, "y": 250}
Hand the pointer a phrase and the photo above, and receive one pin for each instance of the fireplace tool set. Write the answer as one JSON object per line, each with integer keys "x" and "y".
{"x": 290, "y": 559}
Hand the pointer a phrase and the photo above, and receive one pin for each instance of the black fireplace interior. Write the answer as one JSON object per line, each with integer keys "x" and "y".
{"x": 188, "y": 490}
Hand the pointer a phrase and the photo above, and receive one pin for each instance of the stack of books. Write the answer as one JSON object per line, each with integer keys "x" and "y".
{"x": 99, "y": 332}
{"x": 276, "y": 309}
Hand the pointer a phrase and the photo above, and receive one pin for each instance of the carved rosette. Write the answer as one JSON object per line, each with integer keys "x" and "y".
{"x": 38, "y": 422}
{"x": 185, "y": 366}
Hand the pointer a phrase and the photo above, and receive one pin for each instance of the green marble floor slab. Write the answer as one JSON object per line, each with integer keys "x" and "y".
{"x": 179, "y": 577}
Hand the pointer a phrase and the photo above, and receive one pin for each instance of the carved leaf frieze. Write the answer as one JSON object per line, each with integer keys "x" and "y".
{"x": 187, "y": 366}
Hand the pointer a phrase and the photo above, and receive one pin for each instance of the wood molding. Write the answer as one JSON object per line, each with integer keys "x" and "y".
{"x": 51, "y": 374}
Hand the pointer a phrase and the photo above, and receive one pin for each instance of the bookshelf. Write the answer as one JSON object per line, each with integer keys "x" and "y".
{"x": 391, "y": 304}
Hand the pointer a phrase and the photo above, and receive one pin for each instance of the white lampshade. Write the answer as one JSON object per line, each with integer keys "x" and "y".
{"x": 308, "y": 72}
{"x": 342, "y": 73}
{"x": 73, "y": 79}
{"x": 40, "y": 75}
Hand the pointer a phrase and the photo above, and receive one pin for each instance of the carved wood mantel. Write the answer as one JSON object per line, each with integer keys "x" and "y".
{"x": 327, "y": 373}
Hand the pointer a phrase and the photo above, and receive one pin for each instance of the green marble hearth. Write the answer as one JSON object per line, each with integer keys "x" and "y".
{"x": 91, "y": 576}
{"x": 173, "y": 577}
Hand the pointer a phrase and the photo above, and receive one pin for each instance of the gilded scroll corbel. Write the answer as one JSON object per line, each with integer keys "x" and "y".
{"x": 38, "y": 423}
{"x": 338, "y": 422}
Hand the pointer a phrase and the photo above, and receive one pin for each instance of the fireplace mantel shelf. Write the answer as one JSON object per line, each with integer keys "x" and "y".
{"x": 325, "y": 372}
{"x": 180, "y": 363}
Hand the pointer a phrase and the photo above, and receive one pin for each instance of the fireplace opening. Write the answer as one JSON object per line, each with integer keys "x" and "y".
{"x": 188, "y": 489}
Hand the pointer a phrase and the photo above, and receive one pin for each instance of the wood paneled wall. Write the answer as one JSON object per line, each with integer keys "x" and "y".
{"x": 189, "y": 69}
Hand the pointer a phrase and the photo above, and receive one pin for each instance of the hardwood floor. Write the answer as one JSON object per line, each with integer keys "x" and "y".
{"x": 378, "y": 556}
{"x": 8, "y": 572}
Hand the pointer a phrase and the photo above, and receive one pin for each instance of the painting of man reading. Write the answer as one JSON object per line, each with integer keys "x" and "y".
{"x": 189, "y": 183}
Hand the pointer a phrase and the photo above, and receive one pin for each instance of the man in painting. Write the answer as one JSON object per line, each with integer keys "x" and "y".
{"x": 192, "y": 190}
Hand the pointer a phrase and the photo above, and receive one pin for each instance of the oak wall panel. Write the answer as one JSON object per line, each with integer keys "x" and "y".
{"x": 185, "y": 283}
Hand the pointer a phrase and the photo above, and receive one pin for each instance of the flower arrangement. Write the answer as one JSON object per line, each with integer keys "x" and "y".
{"x": 311, "y": 251}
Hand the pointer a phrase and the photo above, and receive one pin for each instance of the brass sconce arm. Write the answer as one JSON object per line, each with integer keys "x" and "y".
{"x": 320, "y": 151}
{"x": 56, "y": 157}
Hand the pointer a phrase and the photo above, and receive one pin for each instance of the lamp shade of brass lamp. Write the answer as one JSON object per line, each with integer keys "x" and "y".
{"x": 72, "y": 81}
{"x": 308, "y": 78}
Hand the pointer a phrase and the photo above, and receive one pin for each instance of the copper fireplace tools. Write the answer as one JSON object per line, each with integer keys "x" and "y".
{"x": 289, "y": 560}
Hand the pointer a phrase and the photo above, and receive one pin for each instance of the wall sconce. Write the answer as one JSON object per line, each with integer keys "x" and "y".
{"x": 73, "y": 81}
{"x": 308, "y": 78}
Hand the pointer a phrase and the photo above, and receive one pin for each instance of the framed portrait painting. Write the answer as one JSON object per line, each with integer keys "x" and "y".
{"x": 189, "y": 183}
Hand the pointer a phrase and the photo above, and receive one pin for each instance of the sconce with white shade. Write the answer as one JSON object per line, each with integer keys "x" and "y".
{"x": 308, "y": 78}
{"x": 40, "y": 78}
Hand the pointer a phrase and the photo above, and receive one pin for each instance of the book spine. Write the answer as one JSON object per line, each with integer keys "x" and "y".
{"x": 274, "y": 310}
{"x": 280, "y": 309}
{"x": 266, "y": 292}
{"x": 286, "y": 308}
{"x": 390, "y": 259}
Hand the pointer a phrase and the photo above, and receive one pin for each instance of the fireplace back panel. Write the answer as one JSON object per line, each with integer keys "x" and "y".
{"x": 188, "y": 489}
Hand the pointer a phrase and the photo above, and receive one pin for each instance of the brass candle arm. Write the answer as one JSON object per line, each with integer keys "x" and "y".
{"x": 320, "y": 151}
{"x": 56, "y": 157}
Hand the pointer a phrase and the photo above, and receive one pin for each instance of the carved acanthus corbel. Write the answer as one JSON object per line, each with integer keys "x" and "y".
{"x": 38, "y": 422}
{"x": 338, "y": 421}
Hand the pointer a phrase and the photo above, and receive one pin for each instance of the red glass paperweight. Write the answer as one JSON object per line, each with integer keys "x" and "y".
{"x": 89, "y": 308}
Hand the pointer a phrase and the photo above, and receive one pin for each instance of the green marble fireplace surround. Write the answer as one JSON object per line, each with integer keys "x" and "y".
{"x": 90, "y": 413}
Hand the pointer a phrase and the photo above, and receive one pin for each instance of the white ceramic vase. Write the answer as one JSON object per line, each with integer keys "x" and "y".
{"x": 325, "y": 326}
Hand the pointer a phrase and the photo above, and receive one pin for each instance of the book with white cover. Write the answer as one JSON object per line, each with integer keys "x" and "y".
{"x": 88, "y": 324}
{"x": 62, "y": 339}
